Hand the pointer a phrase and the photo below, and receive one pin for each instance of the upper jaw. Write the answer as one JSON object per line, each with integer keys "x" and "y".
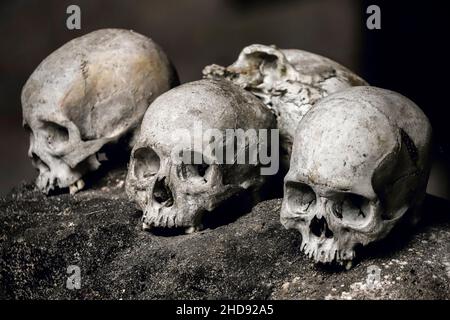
{"x": 323, "y": 247}
{"x": 46, "y": 182}
{"x": 60, "y": 175}
{"x": 163, "y": 217}
{"x": 327, "y": 251}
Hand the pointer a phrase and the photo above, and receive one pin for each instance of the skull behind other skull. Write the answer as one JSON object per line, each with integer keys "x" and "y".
{"x": 360, "y": 162}
{"x": 288, "y": 81}
{"x": 88, "y": 94}
{"x": 174, "y": 194}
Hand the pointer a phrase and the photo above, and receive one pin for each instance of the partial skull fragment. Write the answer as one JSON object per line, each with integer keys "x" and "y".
{"x": 288, "y": 81}
{"x": 359, "y": 166}
{"x": 90, "y": 93}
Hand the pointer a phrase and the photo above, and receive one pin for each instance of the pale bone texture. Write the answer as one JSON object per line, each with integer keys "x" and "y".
{"x": 90, "y": 93}
{"x": 177, "y": 195}
{"x": 359, "y": 166}
{"x": 288, "y": 81}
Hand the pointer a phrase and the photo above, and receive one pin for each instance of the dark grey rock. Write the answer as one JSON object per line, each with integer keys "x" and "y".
{"x": 253, "y": 257}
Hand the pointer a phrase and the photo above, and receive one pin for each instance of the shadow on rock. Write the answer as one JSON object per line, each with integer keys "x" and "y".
{"x": 436, "y": 211}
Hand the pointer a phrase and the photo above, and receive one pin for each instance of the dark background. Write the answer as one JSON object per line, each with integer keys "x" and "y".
{"x": 407, "y": 55}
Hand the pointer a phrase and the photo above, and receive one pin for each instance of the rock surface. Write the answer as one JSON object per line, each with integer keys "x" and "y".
{"x": 250, "y": 258}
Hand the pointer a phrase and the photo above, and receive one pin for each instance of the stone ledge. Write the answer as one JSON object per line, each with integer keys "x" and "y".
{"x": 253, "y": 257}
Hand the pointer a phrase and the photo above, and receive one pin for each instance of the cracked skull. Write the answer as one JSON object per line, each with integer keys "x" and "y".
{"x": 174, "y": 193}
{"x": 360, "y": 165}
{"x": 288, "y": 81}
{"x": 90, "y": 93}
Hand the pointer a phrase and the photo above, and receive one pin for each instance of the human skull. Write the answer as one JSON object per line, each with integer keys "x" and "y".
{"x": 360, "y": 162}
{"x": 91, "y": 92}
{"x": 289, "y": 82}
{"x": 174, "y": 193}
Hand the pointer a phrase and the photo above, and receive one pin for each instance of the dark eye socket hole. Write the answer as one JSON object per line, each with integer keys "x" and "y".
{"x": 300, "y": 196}
{"x": 146, "y": 163}
{"x": 268, "y": 60}
{"x": 55, "y": 133}
{"x": 356, "y": 200}
{"x": 194, "y": 170}
{"x": 201, "y": 169}
{"x": 352, "y": 209}
{"x": 337, "y": 209}
{"x": 193, "y": 165}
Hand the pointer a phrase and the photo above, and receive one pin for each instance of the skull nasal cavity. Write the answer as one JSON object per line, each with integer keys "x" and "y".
{"x": 319, "y": 227}
{"x": 162, "y": 193}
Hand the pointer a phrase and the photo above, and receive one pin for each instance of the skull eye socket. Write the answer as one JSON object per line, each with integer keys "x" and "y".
{"x": 146, "y": 163}
{"x": 193, "y": 166}
{"x": 193, "y": 170}
{"x": 300, "y": 197}
{"x": 353, "y": 210}
{"x": 55, "y": 134}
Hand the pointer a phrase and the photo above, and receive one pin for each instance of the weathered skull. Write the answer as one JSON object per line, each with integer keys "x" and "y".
{"x": 360, "y": 161}
{"x": 174, "y": 193}
{"x": 89, "y": 93}
{"x": 289, "y": 82}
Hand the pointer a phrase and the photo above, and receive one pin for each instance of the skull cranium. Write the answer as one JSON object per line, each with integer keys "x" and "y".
{"x": 177, "y": 194}
{"x": 360, "y": 162}
{"x": 91, "y": 92}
